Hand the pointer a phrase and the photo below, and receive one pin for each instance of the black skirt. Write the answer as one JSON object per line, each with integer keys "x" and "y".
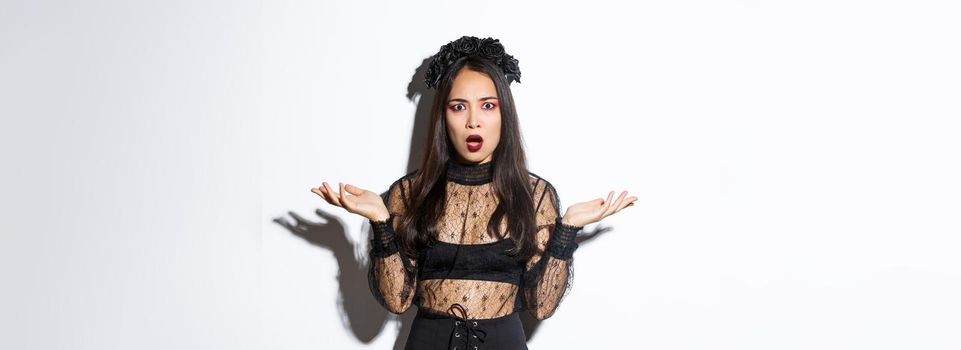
{"x": 431, "y": 331}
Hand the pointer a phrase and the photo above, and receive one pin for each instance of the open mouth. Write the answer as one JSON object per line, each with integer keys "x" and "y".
{"x": 474, "y": 143}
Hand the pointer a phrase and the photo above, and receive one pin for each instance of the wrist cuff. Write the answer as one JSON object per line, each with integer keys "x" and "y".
{"x": 384, "y": 241}
{"x": 563, "y": 241}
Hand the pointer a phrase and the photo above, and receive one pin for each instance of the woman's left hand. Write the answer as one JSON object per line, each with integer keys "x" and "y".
{"x": 589, "y": 212}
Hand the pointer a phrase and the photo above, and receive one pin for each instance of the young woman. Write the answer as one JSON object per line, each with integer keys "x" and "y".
{"x": 472, "y": 237}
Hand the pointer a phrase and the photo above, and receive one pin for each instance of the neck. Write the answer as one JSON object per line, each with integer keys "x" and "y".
{"x": 469, "y": 173}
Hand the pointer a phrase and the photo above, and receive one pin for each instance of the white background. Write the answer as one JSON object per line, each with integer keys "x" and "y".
{"x": 797, "y": 165}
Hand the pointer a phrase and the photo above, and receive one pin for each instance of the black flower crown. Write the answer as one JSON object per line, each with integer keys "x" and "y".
{"x": 488, "y": 48}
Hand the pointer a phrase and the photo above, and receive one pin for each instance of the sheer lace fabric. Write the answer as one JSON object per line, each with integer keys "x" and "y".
{"x": 469, "y": 266}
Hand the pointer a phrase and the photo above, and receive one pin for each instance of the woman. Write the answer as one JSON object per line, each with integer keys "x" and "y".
{"x": 471, "y": 237}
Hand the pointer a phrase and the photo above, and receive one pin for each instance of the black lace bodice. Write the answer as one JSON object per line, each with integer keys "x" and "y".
{"x": 467, "y": 265}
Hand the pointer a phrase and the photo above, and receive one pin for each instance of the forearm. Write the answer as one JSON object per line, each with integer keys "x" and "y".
{"x": 553, "y": 272}
{"x": 391, "y": 278}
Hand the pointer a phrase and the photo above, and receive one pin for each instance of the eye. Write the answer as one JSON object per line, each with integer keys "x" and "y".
{"x": 455, "y": 107}
{"x": 492, "y": 106}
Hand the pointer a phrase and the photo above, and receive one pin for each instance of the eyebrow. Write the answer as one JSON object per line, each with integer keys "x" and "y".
{"x": 480, "y": 99}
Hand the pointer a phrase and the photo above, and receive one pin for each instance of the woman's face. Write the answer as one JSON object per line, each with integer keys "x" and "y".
{"x": 473, "y": 116}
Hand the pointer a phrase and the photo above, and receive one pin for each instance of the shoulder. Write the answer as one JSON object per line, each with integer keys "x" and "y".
{"x": 541, "y": 188}
{"x": 401, "y": 185}
{"x": 546, "y": 204}
{"x": 405, "y": 180}
{"x": 539, "y": 183}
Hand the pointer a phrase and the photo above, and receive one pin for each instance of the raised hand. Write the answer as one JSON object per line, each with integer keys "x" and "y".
{"x": 584, "y": 213}
{"x": 355, "y": 200}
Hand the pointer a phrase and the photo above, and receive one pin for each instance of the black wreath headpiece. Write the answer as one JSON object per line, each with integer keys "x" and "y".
{"x": 488, "y": 48}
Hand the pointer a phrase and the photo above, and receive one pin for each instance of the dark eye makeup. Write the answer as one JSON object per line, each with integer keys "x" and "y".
{"x": 455, "y": 107}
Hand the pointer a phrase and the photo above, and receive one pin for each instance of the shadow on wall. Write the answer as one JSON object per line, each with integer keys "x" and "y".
{"x": 360, "y": 312}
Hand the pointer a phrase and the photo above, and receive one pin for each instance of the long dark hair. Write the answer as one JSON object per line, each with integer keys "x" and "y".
{"x": 427, "y": 195}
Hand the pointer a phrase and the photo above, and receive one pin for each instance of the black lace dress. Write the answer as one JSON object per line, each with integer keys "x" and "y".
{"x": 468, "y": 291}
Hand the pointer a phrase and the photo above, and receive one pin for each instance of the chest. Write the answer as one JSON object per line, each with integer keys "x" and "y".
{"x": 467, "y": 212}
{"x": 488, "y": 261}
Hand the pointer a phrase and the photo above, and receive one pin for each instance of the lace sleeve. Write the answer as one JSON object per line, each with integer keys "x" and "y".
{"x": 391, "y": 276}
{"x": 549, "y": 272}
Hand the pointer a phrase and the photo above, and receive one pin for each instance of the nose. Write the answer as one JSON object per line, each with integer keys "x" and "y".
{"x": 472, "y": 120}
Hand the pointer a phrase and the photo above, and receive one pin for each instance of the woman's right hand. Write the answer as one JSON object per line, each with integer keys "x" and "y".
{"x": 355, "y": 200}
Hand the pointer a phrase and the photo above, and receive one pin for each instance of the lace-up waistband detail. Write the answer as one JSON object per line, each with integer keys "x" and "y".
{"x": 466, "y": 328}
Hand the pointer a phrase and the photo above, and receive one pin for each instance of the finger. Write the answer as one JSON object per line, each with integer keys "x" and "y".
{"x": 607, "y": 203}
{"x": 613, "y": 205}
{"x": 320, "y": 190}
{"x": 327, "y": 196}
{"x": 333, "y": 196}
{"x": 354, "y": 190}
{"x": 629, "y": 201}
{"x": 602, "y": 200}
{"x": 617, "y": 204}
{"x": 343, "y": 196}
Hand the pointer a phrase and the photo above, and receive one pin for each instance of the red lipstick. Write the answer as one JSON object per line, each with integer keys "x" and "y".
{"x": 474, "y": 142}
